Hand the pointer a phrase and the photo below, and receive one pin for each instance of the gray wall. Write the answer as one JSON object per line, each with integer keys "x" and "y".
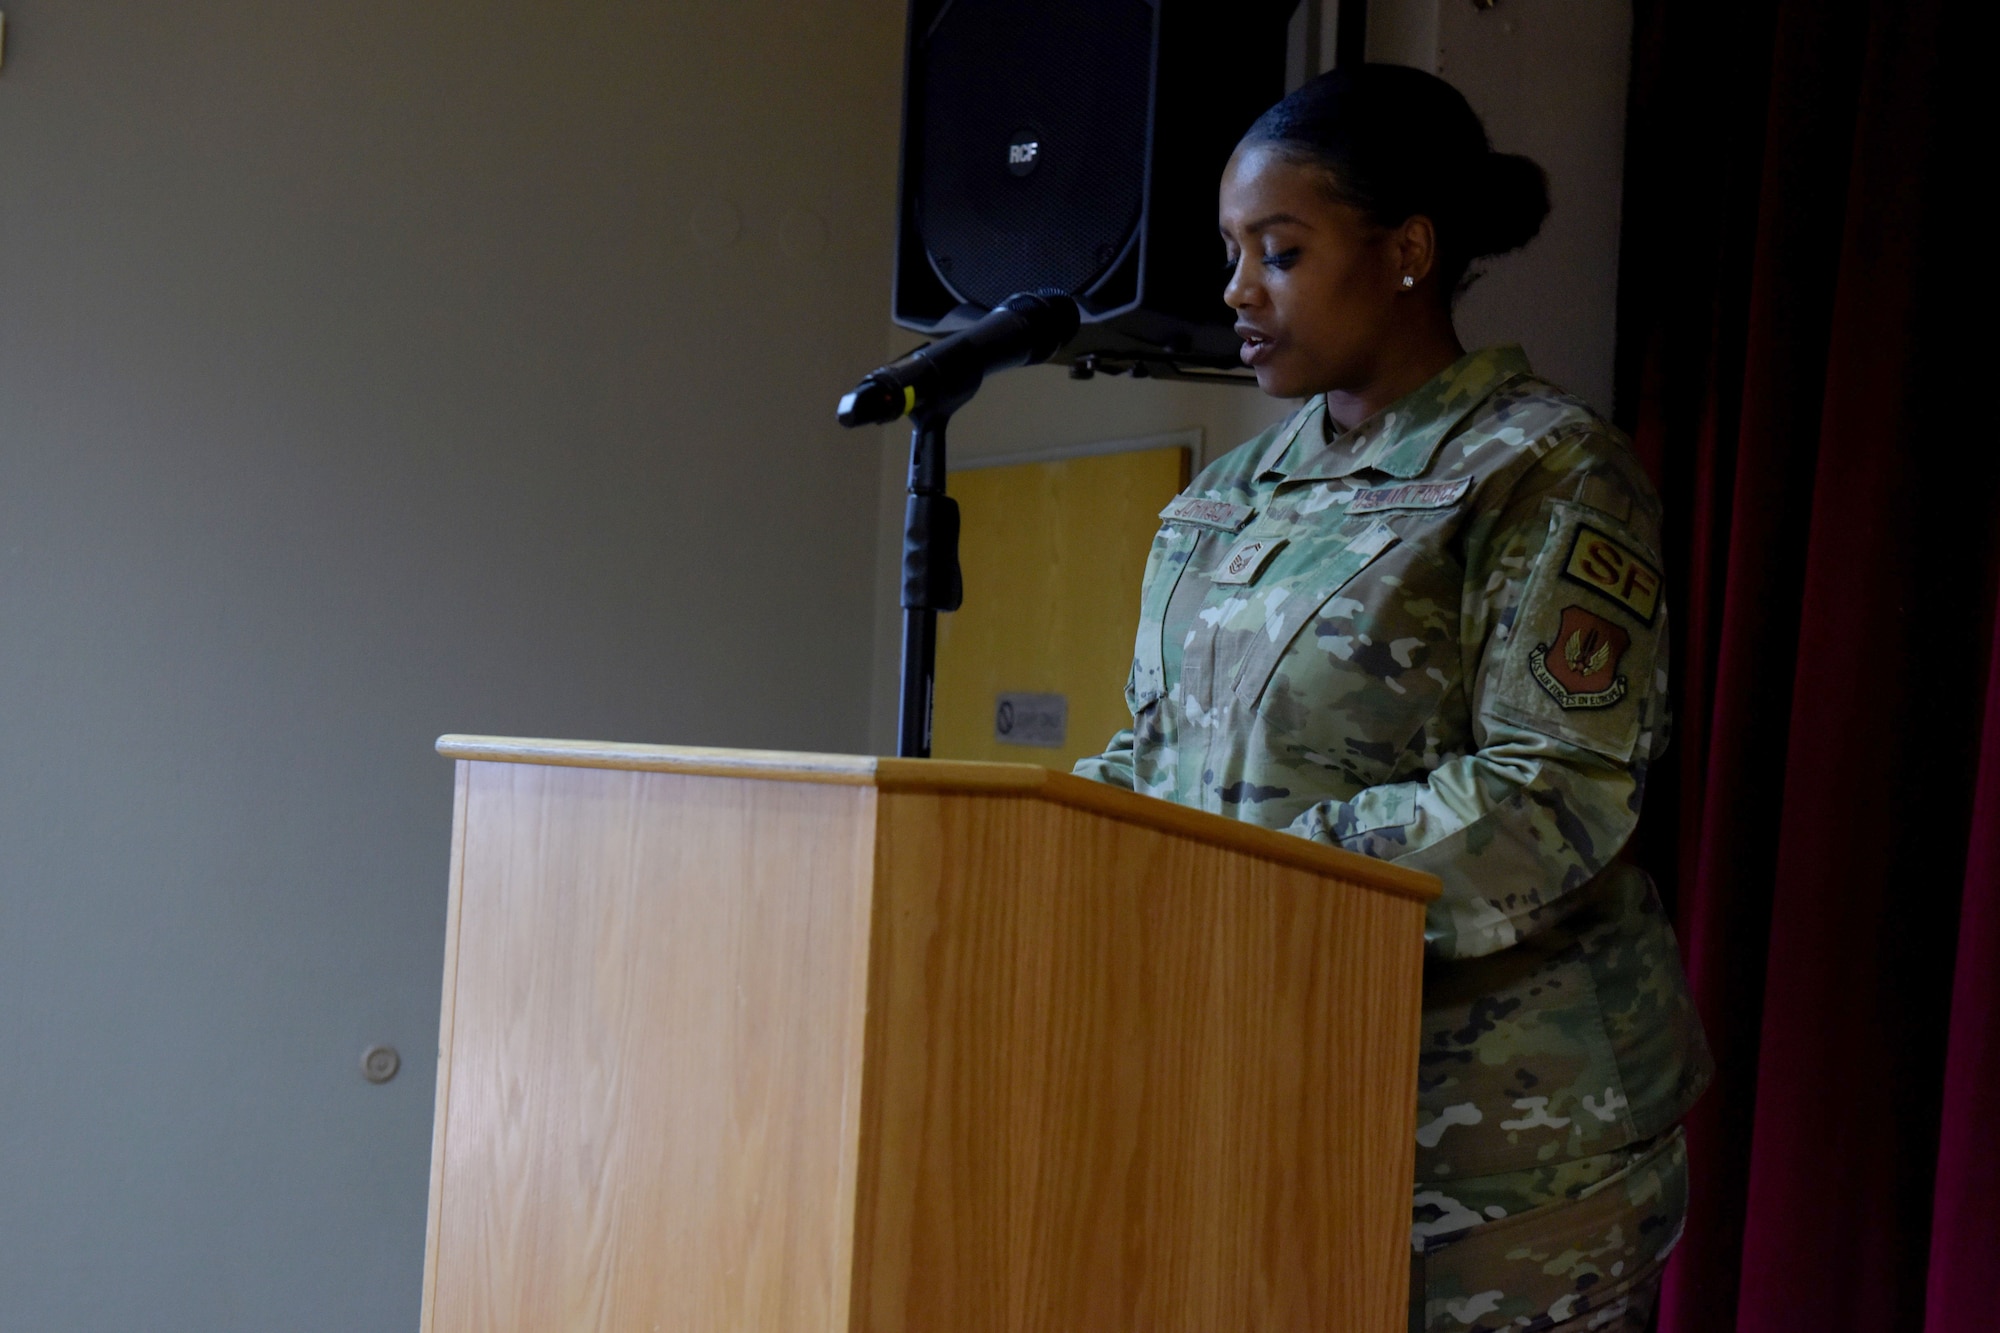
{"x": 369, "y": 371}
{"x": 372, "y": 371}
{"x": 1548, "y": 77}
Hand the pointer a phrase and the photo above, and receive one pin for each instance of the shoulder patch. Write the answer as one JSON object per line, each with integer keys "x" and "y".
{"x": 1580, "y": 669}
{"x": 1207, "y": 513}
{"x": 1410, "y": 495}
{"x": 1606, "y": 566}
{"x": 1578, "y": 665}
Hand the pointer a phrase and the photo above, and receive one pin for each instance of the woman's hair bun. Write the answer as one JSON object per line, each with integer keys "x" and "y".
{"x": 1396, "y": 142}
{"x": 1506, "y": 207}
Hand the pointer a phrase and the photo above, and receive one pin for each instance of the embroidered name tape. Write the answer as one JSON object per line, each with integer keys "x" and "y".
{"x": 1243, "y": 562}
{"x": 1601, "y": 564}
{"x": 1207, "y": 513}
{"x": 1410, "y": 495}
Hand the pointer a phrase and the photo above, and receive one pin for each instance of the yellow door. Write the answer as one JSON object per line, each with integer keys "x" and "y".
{"x": 1033, "y": 667}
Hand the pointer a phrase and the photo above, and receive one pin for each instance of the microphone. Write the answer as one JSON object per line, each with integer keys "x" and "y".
{"x": 1025, "y": 330}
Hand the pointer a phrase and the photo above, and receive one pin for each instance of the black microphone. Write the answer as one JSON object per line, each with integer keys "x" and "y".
{"x": 1025, "y": 330}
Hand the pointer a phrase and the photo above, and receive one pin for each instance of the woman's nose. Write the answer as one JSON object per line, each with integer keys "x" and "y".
{"x": 1241, "y": 291}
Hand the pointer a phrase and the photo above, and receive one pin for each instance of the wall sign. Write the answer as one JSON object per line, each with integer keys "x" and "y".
{"x": 1031, "y": 719}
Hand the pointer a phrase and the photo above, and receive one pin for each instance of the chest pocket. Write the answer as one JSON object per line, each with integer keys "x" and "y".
{"x": 1165, "y": 564}
{"x": 1260, "y": 661}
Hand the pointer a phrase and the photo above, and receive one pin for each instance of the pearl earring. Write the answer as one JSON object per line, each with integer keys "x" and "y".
{"x": 1408, "y": 282}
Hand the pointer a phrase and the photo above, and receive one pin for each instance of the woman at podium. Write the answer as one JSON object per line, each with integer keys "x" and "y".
{"x": 1423, "y": 619}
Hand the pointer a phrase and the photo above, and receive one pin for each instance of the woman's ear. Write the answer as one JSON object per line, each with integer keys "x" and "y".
{"x": 1414, "y": 247}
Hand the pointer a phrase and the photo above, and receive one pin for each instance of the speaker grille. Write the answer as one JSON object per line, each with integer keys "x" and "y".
{"x": 1034, "y": 142}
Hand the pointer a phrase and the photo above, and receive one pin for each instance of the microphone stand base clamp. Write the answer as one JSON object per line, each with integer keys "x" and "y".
{"x": 931, "y": 575}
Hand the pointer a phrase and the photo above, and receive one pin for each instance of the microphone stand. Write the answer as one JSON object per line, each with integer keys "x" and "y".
{"x": 928, "y": 385}
{"x": 931, "y": 577}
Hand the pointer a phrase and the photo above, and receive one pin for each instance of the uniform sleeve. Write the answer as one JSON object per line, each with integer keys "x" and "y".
{"x": 1564, "y": 663}
{"x": 1114, "y": 766}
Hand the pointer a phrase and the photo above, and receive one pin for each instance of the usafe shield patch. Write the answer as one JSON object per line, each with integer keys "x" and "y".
{"x": 1410, "y": 495}
{"x": 1580, "y": 669}
{"x": 1207, "y": 513}
{"x": 1604, "y": 565}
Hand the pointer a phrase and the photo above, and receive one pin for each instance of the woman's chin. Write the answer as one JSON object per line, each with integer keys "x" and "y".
{"x": 1273, "y": 380}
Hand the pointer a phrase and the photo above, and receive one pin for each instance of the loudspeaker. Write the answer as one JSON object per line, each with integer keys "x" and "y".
{"x": 1077, "y": 145}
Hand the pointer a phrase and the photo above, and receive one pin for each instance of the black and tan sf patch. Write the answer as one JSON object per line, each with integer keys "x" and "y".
{"x": 1607, "y": 567}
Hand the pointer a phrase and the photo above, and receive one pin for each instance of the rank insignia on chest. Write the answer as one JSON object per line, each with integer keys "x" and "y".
{"x": 1580, "y": 669}
{"x": 1244, "y": 561}
{"x": 1603, "y": 565}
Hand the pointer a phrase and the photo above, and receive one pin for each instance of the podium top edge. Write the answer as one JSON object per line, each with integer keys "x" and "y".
{"x": 775, "y": 765}
{"x": 942, "y": 775}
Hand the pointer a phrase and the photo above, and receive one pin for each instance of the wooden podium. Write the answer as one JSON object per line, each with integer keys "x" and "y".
{"x": 786, "y": 1043}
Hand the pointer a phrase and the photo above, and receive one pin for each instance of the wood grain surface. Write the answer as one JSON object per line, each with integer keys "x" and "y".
{"x": 952, "y": 775}
{"x": 653, "y": 1053}
{"x": 447, "y": 1010}
{"x": 1121, "y": 1079}
{"x": 930, "y": 1051}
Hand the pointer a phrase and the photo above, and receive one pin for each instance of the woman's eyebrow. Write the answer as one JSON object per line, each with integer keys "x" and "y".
{"x": 1268, "y": 221}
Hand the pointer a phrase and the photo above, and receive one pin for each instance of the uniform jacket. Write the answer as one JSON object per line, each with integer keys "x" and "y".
{"x": 1440, "y": 639}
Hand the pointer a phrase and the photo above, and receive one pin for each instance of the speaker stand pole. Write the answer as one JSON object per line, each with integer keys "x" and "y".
{"x": 931, "y": 581}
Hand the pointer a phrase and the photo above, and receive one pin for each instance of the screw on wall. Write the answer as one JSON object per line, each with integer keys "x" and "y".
{"x": 380, "y": 1063}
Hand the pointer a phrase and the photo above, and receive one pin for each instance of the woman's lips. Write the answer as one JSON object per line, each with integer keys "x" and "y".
{"x": 1258, "y": 346}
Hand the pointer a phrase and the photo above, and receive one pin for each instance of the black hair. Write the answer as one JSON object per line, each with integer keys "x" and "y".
{"x": 1397, "y": 142}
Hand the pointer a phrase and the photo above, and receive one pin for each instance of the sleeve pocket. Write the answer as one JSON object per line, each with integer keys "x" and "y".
{"x": 1577, "y": 662}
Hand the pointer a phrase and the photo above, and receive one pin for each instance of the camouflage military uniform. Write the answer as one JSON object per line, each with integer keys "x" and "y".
{"x": 1439, "y": 638}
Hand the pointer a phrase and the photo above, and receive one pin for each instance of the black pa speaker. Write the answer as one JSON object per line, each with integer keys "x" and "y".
{"x": 1077, "y": 145}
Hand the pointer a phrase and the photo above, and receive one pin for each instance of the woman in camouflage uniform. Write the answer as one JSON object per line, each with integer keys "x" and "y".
{"x": 1422, "y": 619}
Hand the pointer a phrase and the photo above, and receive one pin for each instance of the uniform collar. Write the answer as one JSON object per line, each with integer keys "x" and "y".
{"x": 1400, "y": 439}
{"x": 1313, "y": 412}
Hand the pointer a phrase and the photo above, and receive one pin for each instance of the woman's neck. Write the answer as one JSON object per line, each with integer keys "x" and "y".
{"x": 1403, "y": 371}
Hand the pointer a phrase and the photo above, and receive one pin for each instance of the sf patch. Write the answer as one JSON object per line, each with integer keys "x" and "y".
{"x": 1580, "y": 669}
{"x": 1604, "y": 565}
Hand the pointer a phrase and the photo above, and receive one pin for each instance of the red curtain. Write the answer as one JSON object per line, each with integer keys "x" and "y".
{"x": 1792, "y": 368}
{"x": 1965, "y": 1230}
